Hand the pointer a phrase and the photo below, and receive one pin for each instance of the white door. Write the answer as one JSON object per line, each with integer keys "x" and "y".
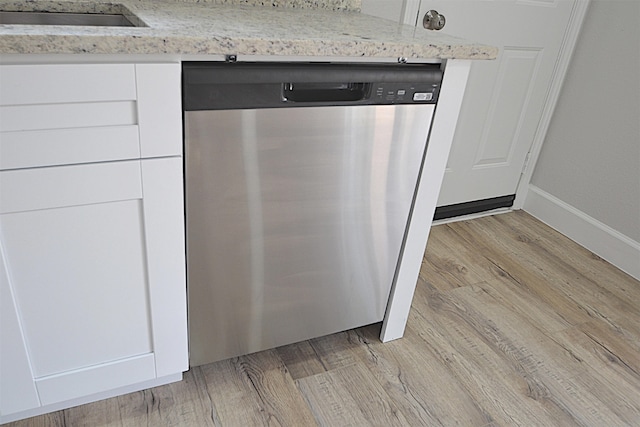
{"x": 505, "y": 98}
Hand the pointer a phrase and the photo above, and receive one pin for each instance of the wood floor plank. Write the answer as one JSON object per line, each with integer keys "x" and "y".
{"x": 614, "y": 398}
{"x": 617, "y": 359}
{"x": 422, "y": 389}
{"x": 625, "y": 349}
{"x": 527, "y": 305}
{"x": 489, "y": 371}
{"x": 335, "y": 351}
{"x": 413, "y": 375}
{"x": 107, "y": 412}
{"x": 350, "y": 396}
{"x": 511, "y": 290}
{"x": 539, "y": 357}
{"x": 255, "y": 390}
{"x": 606, "y": 300}
{"x": 494, "y": 264}
{"x": 560, "y": 260}
{"x": 591, "y": 298}
{"x": 301, "y": 360}
{"x": 608, "y": 378}
{"x": 443, "y": 266}
{"x": 584, "y": 261}
{"x": 167, "y": 405}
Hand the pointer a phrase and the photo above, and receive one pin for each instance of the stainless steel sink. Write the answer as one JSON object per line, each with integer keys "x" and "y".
{"x": 58, "y": 18}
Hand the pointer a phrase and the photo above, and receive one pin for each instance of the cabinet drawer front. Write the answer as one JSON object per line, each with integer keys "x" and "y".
{"x": 61, "y": 116}
{"x": 68, "y": 146}
{"x": 51, "y": 84}
{"x": 45, "y": 188}
{"x": 55, "y": 97}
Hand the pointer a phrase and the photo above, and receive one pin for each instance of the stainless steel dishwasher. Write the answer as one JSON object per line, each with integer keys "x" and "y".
{"x": 300, "y": 180}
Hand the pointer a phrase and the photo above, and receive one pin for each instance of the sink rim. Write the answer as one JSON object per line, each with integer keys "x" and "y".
{"x": 116, "y": 15}
{"x": 65, "y": 18}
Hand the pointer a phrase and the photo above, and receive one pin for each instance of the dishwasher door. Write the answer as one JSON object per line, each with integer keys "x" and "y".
{"x": 295, "y": 220}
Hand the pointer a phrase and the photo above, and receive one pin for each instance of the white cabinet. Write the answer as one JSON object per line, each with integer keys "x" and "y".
{"x": 92, "y": 270}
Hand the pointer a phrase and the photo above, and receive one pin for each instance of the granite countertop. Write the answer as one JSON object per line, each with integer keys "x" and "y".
{"x": 222, "y": 27}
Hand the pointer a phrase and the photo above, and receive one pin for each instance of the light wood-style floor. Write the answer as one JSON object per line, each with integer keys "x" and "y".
{"x": 512, "y": 325}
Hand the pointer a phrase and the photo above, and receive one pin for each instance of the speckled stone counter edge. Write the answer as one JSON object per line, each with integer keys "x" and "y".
{"x": 211, "y": 28}
{"x": 112, "y": 5}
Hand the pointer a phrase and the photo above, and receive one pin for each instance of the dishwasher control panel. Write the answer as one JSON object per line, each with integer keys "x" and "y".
{"x": 232, "y": 86}
{"x": 403, "y": 93}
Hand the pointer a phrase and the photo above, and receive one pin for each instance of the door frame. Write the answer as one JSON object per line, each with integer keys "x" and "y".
{"x": 409, "y": 15}
{"x": 571, "y": 35}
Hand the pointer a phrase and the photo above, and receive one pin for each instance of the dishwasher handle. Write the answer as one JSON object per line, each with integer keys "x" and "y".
{"x": 325, "y": 92}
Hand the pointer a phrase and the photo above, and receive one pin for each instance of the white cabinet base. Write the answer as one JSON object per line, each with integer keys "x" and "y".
{"x": 92, "y": 266}
{"x": 91, "y": 398}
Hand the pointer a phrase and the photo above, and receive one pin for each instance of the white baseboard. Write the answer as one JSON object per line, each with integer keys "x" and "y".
{"x": 599, "y": 238}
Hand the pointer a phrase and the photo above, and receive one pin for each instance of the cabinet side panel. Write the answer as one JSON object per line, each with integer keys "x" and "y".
{"x": 17, "y": 389}
{"x": 442, "y": 131}
{"x": 164, "y": 226}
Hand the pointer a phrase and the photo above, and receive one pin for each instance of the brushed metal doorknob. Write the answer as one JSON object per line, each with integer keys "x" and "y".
{"x": 433, "y": 20}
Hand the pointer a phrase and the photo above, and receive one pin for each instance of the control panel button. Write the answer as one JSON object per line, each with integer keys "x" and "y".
{"x": 422, "y": 96}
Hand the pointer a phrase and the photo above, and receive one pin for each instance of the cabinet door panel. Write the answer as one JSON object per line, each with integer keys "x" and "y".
{"x": 46, "y": 188}
{"x": 17, "y": 389}
{"x": 79, "y": 277}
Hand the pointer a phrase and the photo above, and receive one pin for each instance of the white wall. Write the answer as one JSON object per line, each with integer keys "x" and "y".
{"x": 589, "y": 166}
{"x": 388, "y": 9}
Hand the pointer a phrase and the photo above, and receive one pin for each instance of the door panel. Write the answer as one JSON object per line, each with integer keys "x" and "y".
{"x": 507, "y": 108}
{"x": 504, "y": 98}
